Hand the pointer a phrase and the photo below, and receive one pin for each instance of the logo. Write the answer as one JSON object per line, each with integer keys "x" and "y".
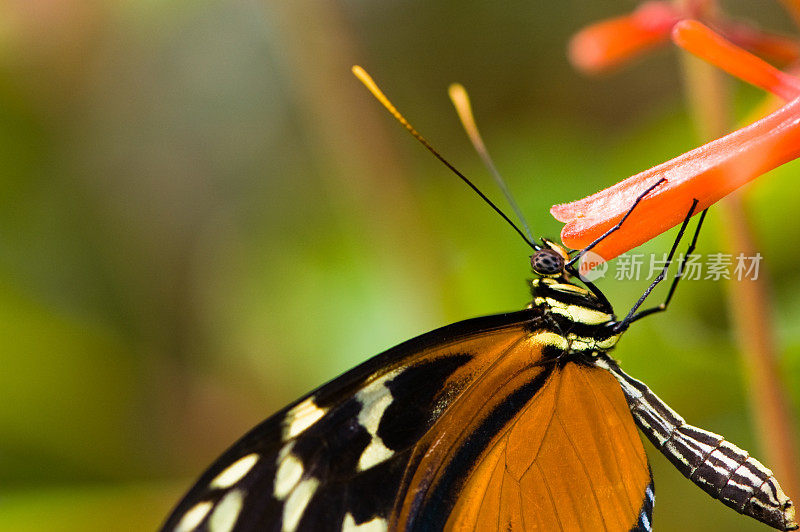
{"x": 592, "y": 266}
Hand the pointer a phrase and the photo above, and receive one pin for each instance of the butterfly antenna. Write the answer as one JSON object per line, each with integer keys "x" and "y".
{"x": 460, "y": 98}
{"x": 370, "y": 84}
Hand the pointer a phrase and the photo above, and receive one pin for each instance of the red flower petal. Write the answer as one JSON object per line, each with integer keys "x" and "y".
{"x": 707, "y": 173}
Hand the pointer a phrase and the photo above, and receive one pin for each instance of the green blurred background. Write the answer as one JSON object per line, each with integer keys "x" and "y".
{"x": 203, "y": 216}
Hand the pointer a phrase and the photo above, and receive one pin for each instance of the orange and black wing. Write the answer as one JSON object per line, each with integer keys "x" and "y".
{"x": 473, "y": 425}
{"x": 570, "y": 459}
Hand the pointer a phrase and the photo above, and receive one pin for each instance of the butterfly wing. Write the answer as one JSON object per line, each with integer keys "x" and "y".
{"x": 569, "y": 460}
{"x": 428, "y": 434}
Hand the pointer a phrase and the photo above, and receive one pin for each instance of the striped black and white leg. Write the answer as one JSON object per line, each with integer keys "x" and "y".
{"x": 720, "y": 468}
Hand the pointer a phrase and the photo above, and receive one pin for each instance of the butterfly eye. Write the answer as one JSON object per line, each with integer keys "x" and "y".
{"x": 547, "y": 262}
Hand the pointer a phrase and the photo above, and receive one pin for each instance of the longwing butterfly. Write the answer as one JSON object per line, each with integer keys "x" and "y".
{"x": 518, "y": 421}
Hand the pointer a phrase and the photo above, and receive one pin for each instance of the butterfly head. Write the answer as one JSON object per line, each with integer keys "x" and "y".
{"x": 555, "y": 287}
{"x": 550, "y": 260}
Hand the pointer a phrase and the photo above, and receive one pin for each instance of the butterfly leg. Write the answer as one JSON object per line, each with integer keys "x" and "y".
{"x": 569, "y": 265}
{"x": 616, "y": 227}
{"x": 633, "y": 315}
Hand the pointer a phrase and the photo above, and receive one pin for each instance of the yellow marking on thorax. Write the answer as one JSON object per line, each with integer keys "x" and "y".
{"x": 550, "y": 338}
{"x": 584, "y": 343}
{"x": 608, "y": 343}
{"x": 565, "y": 287}
{"x": 577, "y": 313}
{"x": 577, "y": 343}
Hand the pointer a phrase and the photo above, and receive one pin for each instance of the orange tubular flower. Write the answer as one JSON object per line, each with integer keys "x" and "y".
{"x": 610, "y": 43}
{"x": 779, "y": 48}
{"x": 615, "y": 41}
{"x": 701, "y": 41}
{"x": 707, "y": 173}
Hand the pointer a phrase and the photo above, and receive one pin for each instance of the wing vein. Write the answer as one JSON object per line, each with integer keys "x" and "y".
{"x": 474, "y": 383}
{"x": 597, "y": 398}
{"x": 585, "y": 470}
{"x": 549, "y": 495}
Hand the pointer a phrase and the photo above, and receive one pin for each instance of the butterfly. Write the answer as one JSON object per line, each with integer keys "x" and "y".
{"x": 517, "y": 421}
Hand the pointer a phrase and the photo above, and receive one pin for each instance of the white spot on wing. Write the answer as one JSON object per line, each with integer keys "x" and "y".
{"x": 374, "y": 402}
{"x": 235, "y": 472}
{"x": 224, "y": 517}
{"x": 376, "y": 524}
{"x": 296, "y": 503}
{"x": 290, "y": 469}
{"x": 375, "y": 453}
{"x": 375, "y": 398}
{"x": 284, "y": 452}
{"x": 194, "y": 517}
{"x": 645, "y": 522}
{"x": 302, "y": 416}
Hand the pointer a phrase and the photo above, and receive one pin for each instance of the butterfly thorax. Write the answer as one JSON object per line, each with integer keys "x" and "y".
{"x": 585, "y": 322}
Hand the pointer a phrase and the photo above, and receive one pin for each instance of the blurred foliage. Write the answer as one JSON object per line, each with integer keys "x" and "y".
{"x": 203, "y": 216}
